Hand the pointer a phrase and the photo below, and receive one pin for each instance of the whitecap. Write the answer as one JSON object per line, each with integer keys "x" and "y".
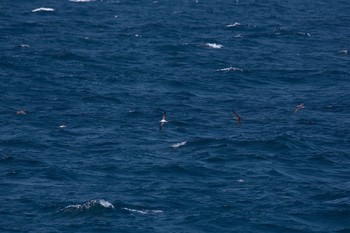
{"x": 69, "y": 207}
{"x": 106, "y": 204}
{"x": 81, "y": 0}
{"x": 231, "y": 68}
{"x": 176, "y": 145}
{"x": 304, "y": 33}
{"x": 24, "y": 46}
{"x": 88, "y": 205}
{"x": 214, "y": 45}
{"x": 143, "y": 211}
{"x": 240, "y": 181}
{"x": 43, "y": 9}
{"x": 236, "y": 24}
{"x": 344, "y": 51}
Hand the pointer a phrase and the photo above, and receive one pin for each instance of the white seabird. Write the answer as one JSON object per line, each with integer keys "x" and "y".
{"x": 162, "y": 121}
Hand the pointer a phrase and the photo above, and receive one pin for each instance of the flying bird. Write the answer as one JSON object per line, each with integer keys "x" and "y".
{"x": 162, "y": 121}
{"x": 298, "y": 107}
{"x": 237, "y": 118}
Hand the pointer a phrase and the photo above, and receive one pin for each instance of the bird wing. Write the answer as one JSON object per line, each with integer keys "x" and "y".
{"x": 161, "y": 125}
{"x": 237, "y": 117}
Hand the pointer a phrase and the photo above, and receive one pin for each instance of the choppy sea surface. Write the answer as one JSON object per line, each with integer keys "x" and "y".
{"x": 84, "y": 85}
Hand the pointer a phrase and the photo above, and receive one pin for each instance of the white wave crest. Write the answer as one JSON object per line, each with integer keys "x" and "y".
{"x": 81, "y": 0}
{"x": 236, "y": 24}
{"x": 231, "y": 68}
{"x": 24, "y": 46}
{"x": 176, "y": 145}
{"x": 343, "y": 51}
{"x": 106, "y": 204}
{"x": 88, "y": 205}
{"x": 304, "y": 33}
{"x": 43, "y": 9}
{"x": 143, "y": 211}
{"x": 214, "y": 45}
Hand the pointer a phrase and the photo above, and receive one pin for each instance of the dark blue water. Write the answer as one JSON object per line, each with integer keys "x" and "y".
{"x": 84, "y": 86}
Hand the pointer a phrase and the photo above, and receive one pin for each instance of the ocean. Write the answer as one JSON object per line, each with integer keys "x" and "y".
{"x": 84, "y": 85}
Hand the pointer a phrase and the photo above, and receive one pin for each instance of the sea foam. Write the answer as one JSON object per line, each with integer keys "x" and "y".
{"x": 214, "y": 45}
{"x": 143, "y": 211}
{"x": 24, "y": 46}
{"x": 176, "y": 145}
{"x": 231, "y": 68}
{"x": 303, "y": 33}
{"x": 236, "y": 24}
{"x": 81, "y": 0}
{"x": 344, "y": 51}
{"x": 88, "y": 205}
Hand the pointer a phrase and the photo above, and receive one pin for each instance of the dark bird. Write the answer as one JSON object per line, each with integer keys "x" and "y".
{"x": 162, "y": 121}
{"x": 237, "y": 118}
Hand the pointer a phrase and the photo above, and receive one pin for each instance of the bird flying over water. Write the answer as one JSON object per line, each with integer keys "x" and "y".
{"x": 162, "y": 121}
{"x": 237, "y": 118}
{"x": 298, "y": 107}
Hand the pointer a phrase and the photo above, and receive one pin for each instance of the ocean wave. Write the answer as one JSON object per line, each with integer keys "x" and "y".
{"x": 344, "y": 51}
{"x": 22, "y": 160}
{"x": 208, "y": 142}
{"x": 236, "y": 24}
{"x": 24, "y": 46}
{"x": 340, "y": 201}
{"x": 6, "y": 158}
{"x": 231, "y": 68}
{"x": 177, "y": 145}
{"x": 43, "y": 9}
{"x": 303, "y": 33}
{"x": 62, "y": 126}
{"x": 90, "y": 205}
{"x": 143, "y": 211}
{"x": 214, "y": 45}
{"x": 81, "y": 0}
